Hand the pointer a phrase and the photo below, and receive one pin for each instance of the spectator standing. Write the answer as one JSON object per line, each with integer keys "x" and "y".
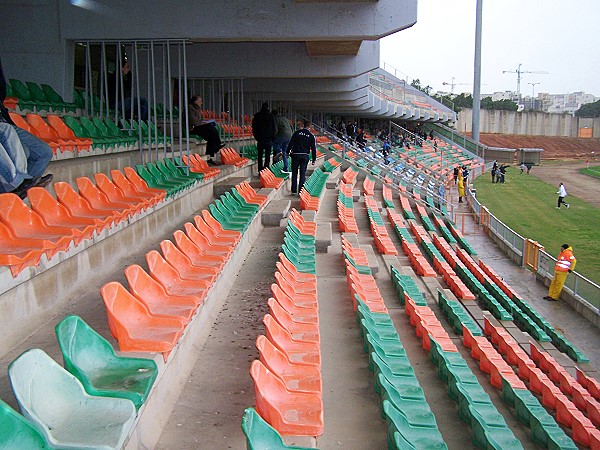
{"x": 565, "y": 264}
{"x": 206, "y": 129}
{"x": 360, "y": 139}
{"x": 501, "y": 173}
{"x": 302, "y": 147}
{"x": 282, "y": 138}
{"x": 19, "y": 144}
{"x": 455, "y": 173}
{"x": 264, "y": 130}
{"x": 494, "y": 170}
{"x": 461, "y": 189}
{"x": 562, "y": 193}
{"x": 523, "y": 167}
{"x": 114, "y": 95}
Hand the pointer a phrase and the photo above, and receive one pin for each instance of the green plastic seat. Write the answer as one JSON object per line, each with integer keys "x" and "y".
{"x": 17, "y": 433}
{"x": 164, "y": 179}
{"x": 403, "y": 436}
{"x": 56, "y": 402}
{"x": 92, "y": 359}
{"x": 490, "y": 430}
{"x": 152, "y": 182}
{"x": 415, "y": 410}
{"x": 225, "y": 220}
{"x": 177, "y": 168}
{"x": 300, "y": 264}
{"x": 170, "y": 175}
{"x": 20, "y": 91}
{"x": 260, "y": 435}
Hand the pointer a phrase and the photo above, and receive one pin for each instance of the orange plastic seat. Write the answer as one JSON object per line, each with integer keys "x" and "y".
{"x": 55, "y": 214}
{"x": 195, "y": 254}
{"x": 132, "y": 325}
{"x": 300, "y": 299}
{"x": 46, "y": 133}
{"x": 217, "y": 227}
{"x": 212, "y": 234}
{"x": 25, "y": 223}
{"x": 19, "y": 253}
{"x": 99, "y": 200}
{"x": 218, "y": 252}
{"x": 154, "y": 296}
{"x": 298, "y": 316}
{"x": 297, "y": 377}
{"x": 308, "y": 332}
{"x": 80, "y": 207}
{"x": 64, "y": 132}
{"x": 309, "y": 283}
{"x": 184, "y": 265}
{"x": 169, "y": 278}
{"x": 129, "y": 189}
{"x": 299, "y": 287}
{"x": 250, "y": 194}
{"x": 288, "y": 302}
{"x": 209, "y": 244}
{"x": 300, "y": 276}
{"x": 141, "y": 185}
{"x": 293, "y": 413}
{"x": 296, "y": 351}
{"x": 116, "y": 195}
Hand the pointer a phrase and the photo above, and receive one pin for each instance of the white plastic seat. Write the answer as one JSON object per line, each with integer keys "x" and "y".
{"x": 56, "y": 403}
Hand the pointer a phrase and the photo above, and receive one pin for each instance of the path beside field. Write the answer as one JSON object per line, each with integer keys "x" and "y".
{"x": 578, "y": 185}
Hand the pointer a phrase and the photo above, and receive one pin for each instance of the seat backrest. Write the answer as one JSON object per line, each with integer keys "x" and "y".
{"x": 173, "y": 255}
{"x": 62, "y": 130}
{"x": 90, "y": 191}
{"x": 41, "y": 127}
{"x": 104, "y": 184}
{"x": 82, "y": 348}
{"x": 41, "y": 386}
{"x": 16, "y": 214}
{"x": 161, "y": 270}
{"x": 74, "y": 125}
{"x": 273, "y": 358}
{"x": 20, "y": 122}
{"x": 51, "y": 94}
{"x": 16, "y": 432}
{"x": 19, "y": 89}
{"x": 44, "y": 204}
{"x": 37, "y": 94}
{"x": 123, "y": 306}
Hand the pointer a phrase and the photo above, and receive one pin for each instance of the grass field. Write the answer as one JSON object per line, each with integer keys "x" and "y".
{"x": 593, "y": 171}
{"x": 528, "y": 206}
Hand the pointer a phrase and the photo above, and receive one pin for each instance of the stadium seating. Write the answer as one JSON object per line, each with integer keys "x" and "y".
{"x": 56, "y": 402}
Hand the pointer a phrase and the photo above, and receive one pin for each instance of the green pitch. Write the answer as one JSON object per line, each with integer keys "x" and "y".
{"x": 528, "y": 206}
{"x": 593, "y": 171}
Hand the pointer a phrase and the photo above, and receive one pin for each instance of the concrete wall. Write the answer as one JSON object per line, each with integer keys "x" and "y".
{"x": 527, "y": 123}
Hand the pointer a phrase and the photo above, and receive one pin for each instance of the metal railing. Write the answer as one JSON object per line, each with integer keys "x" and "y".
{"x": 577, "y": 285}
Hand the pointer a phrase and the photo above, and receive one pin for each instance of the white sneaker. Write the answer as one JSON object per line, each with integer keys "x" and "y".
{"x": 568, "y": 206}
{"x": 558, "y": 207}
{"x": 285, "y": 171}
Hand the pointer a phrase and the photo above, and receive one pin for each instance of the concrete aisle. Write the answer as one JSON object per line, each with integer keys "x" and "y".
{"x": 209, "y": 410}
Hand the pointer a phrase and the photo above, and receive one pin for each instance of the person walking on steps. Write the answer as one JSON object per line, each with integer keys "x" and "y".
{"x": 562, "y": 193}
{"x": 302, "y": 147}
{"x": 282, "y": 138}
{"x": 264, "y": 130}
{"x": 565, "y": 264}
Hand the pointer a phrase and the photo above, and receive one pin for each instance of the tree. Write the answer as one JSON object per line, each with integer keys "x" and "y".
{"x": 589, "y": 110}
{"x": 504, "y": 105}
{"x": 416, "y": 83}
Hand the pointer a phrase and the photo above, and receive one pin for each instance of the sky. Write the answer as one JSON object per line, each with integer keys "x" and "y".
{"x": 556, "y": 36}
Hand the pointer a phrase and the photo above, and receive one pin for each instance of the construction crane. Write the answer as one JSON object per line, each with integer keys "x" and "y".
{"x": 452, "y": 84}
{"x": 519, "y": 72}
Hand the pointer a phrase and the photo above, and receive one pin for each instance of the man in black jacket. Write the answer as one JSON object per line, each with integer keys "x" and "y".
{"x": 16, "y": 140}
{"x": 264, "y": 130}
{"x": 302, "y": 146}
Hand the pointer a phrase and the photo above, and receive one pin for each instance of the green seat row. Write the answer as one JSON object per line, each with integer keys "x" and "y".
{"x": 411, "y": 424}
{"x": 458, "y": 316}
{"x": 316, "y": 182}
{"x": 405, "y": 283}
{"x": 543, "y": 428}
{"x": 459, "y": 239}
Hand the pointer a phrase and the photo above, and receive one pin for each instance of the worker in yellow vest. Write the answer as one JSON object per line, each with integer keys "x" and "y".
{"x": 565, "y": 264}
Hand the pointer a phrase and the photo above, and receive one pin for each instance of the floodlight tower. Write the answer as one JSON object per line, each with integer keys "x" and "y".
{"x": 519, "y": 72}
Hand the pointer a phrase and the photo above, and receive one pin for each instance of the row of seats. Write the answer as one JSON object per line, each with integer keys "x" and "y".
{"x": 313, "y": 189}
{"x": 383, "y": 242}
{"x": 475, "y": 407}
{"x": 287, "y": 376}
{"x": 531, "y": 318}
{"x": 410, "y": 422}
{"x": 330, "y": 164}
{"x": 349, "y": 176}
{"x": 30, "y": 96}
{"x": 230, "y": 157}
{"x": 273, "y": 176}
{"x": 150, "y": 317}
{"x": 52, "y": 224}
{"x": 345, "y": 207}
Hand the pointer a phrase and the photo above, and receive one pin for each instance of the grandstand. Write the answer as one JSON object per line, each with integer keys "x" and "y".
{"x": 150, "y": 300}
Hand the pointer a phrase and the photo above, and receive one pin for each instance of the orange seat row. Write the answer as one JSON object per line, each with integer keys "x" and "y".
{"x": 497, "y": 279}
{"x": 50, "y": 225}
{"x": 269, "y": 180}
{"x": 349, "y": 176}
{"x": 230, "y": 157}
{"x": 308, "y": 202}
{"x": 152, "y": 315}
{"x": 198, "y": 165}
{"x": 369, "y": 186}
{"x": 287, "y": 376}
{"x": 427, "y": 326}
